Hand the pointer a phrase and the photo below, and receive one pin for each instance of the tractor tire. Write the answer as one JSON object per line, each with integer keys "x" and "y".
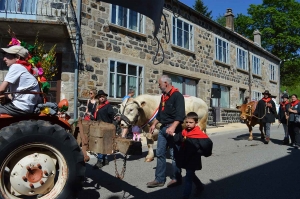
{"x": 39, "y": 160}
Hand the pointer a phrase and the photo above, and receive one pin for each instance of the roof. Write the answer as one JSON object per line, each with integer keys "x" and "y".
{"x": 246, "y": 40}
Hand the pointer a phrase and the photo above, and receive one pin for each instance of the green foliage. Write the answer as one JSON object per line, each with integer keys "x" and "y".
{"x": 200, "y": 7}
{"x": 221, "y": 20}
{"x": 278, "y": 22}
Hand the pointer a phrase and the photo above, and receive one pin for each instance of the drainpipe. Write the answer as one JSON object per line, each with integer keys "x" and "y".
{"x": 250, "y": 75}
{"x": 78, "y": 16}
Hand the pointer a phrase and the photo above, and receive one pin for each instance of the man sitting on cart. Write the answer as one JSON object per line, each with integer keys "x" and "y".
{"x": 20, "y": 82}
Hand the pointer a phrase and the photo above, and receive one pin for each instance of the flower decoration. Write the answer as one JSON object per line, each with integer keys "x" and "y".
{"x": 39, "y": 63}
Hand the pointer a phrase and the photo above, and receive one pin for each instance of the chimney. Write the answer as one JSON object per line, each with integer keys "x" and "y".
{"x": 257, "y": 37}
{"x": 229, "y": 19}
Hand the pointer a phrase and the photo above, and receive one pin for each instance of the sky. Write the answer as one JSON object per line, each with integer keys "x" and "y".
{"x": 218, "y": 7}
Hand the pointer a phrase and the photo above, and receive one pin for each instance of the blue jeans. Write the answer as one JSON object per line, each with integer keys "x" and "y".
{"x": 165, "y": 140}
{"x": 101, "y": 157}
{"x": 189, "y": 179}
{"x": 267, "y": 128}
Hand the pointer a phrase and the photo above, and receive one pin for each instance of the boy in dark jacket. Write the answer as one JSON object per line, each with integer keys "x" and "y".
{"x": 194, "y": 144}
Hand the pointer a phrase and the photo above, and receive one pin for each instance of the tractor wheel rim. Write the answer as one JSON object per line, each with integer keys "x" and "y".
{"x": 31, "y": 170}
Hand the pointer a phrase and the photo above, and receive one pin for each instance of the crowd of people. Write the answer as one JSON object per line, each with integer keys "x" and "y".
{"x": 288, "y": 115}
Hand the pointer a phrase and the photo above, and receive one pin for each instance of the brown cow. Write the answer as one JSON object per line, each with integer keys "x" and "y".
{"x": 251, "y": 120}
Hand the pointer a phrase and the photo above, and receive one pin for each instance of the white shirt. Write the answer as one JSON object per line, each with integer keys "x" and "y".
{"x": 21, "y": 80}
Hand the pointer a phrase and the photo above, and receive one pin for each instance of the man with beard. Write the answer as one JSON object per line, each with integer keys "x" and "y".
{"x": 171, "y": 115}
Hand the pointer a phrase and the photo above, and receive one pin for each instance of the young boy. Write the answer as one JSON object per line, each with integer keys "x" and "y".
{"x": 194, "y": 144}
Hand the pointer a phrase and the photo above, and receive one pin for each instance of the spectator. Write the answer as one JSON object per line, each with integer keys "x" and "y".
{"x": 18, "y": 80}
{"x": 171, "y": 114}
{"x": 91, "y": 105}
{"x": 266, "y": 110}
{"x": 282, "y": 117}
{"x": 247, "y": 100}
{"x": 293, "y": 109}
{"x": 130, "y": 94}
{"x": 105, "y": 113}
{"x": 136, "y": 133}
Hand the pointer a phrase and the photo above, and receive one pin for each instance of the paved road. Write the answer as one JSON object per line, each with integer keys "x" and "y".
{"x": 238, "y": 169}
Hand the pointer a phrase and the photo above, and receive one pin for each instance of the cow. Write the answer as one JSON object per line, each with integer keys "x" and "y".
{"x": 142, "y": 110}
{"x": 247, "y": 115}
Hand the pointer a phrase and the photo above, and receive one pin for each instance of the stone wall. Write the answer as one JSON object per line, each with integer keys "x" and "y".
{"x": 103, "y": 41}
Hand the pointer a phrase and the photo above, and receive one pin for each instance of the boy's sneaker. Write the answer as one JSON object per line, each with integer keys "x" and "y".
{"x": 199, "y": 190}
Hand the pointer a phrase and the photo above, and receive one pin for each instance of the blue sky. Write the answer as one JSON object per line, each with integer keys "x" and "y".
{"x": 218, "y": 7}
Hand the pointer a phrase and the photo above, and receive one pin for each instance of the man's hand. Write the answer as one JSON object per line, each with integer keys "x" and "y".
{"x": 118, "y": 118}
{"x": 151, "y": 129}
{"x": 171, "y": 130}
{"x": 269, "y": 105}
{"x": 2, "y": 99}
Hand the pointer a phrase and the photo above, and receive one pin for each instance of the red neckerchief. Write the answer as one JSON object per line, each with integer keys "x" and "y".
{"x": 99, "y": 107}
{"x": 194, "y": 133}
{"x": 165, "y": 97}
{"x": 294, "y": 103}
{"x": 283, "y": 104}
{"x": 26, "y": 64}
{"x": 267, "y": 99}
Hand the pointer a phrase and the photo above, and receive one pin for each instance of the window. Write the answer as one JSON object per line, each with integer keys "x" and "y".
{"x": 242, "y": 59}
{"x": 242, "y": 96}
{"x": 224, "y": 101}
{"x": 22, "y": 9}
{"x": 256, "y": 65}
{"x": 256, "y": 95}
{"x": 183, "y": 34}
{"x": 127, "y": 18}
{"x": 185, "y": 85}
{"x": 273, "y": 73}
{"x": 222, "y": 50}
{"x": 123, "y": 77}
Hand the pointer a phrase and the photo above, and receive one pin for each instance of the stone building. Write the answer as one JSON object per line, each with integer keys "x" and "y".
{"x": 119, "y": 53}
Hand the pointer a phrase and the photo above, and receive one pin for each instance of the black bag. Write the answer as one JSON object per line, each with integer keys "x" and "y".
{"x": 297, "y": 118}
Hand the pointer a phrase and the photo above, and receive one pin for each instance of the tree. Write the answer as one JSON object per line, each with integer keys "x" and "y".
{"x": 221, "y": 20}
{"x": 200, "y": 7}
{"x": 278, "y": 22}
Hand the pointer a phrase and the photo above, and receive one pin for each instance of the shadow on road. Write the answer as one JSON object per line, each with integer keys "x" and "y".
{"x": 257, "y": 137}
{"x": 274, "y": 180}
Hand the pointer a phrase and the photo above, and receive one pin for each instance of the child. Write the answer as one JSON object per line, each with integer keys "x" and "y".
{"x": 136, "y": 133}
{"x": 194, "y": 144}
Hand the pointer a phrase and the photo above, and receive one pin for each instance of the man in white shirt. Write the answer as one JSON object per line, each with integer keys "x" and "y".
{"x": 20, "y": 83}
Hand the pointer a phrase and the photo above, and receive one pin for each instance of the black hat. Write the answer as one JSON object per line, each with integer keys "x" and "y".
{"x": 100, "y": 92}
{"x": 285, "y": 96}
{"x": 266, "y": 92}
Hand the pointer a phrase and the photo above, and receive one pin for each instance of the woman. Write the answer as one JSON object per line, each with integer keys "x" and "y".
{"x": 91, "y": 105}
{"x": 105, "y": 113}
{"x": 293, "y": 127}
{"x": 282, "y": 117}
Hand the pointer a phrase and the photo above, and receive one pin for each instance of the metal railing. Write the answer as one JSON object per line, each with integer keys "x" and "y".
{"x": 51, "y": 8}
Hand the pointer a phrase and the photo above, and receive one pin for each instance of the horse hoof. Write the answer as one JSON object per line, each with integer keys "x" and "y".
{"x": 250, "y": 139}
{"x": 149, "y": 159}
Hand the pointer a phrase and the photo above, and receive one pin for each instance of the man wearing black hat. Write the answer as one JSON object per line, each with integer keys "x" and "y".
{"x": 282, "y": 117}
{"x": 266, "y": 112}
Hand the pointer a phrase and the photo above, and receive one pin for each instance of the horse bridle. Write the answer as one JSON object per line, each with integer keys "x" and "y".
{"x": 124, "y": 118}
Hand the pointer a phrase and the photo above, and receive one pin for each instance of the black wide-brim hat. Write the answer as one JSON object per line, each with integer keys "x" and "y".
{"x": 100, "y": 92}
{"x": 266, "y": 92}
{"x": 285, "y": 96}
